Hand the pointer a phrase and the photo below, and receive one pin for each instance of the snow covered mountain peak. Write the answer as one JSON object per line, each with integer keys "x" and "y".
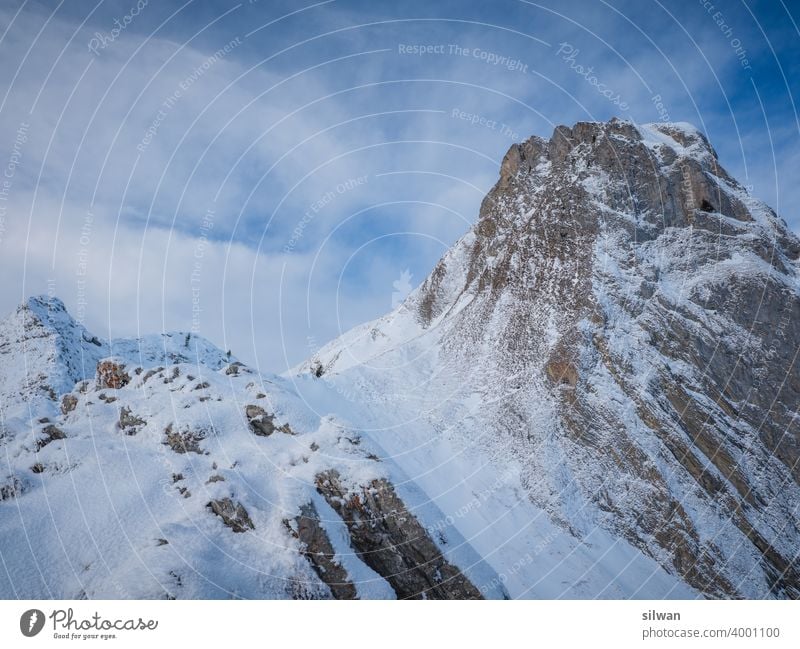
{"x": 596, "y": 183}
{"x": 593, "y": 394}
{"x": 621, "y": 324}
{"x": 42, "y": 305}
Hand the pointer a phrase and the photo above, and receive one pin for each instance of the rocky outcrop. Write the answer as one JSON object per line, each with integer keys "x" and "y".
{"x": 234, "y": 368}
{"x": 11, "y": 487}
{"x": 68, "y": 403}
{"x": 50, "y": 433}
{"x": 187, "y": 441}
{"x": 130, "y": 424}
{"x": 232, "y": 513}
{"x": 262, "y": 423}
{"x": 111, "y": 374}
{"x": 317, "y": 548}
{"x": 391, "y": 541}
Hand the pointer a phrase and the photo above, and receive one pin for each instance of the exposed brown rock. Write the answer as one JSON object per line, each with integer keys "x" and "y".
{"x": 391, "y": 541}
{"x": 233, "y": 514}
{"x": 562, "y": 372}
{"x": 68, "y": 403}
{"x": 318, "y": 550}
{"x": 111, "y": 374}
{"x": 187, "y": 441}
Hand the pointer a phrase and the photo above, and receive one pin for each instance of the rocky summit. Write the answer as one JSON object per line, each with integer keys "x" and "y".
{"x": 593, "y": 394}
{"x": 621, "y": 326}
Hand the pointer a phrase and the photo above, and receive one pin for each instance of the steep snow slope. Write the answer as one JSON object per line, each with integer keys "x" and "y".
{"x": 619, "y": 329}
{"x": 457, "y": 490}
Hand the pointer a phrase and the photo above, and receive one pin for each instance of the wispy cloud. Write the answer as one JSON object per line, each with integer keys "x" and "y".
{"x": 314, "y": 133}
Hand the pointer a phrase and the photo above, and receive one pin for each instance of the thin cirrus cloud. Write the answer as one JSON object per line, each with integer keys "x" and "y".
{"x": 328, "y": 158}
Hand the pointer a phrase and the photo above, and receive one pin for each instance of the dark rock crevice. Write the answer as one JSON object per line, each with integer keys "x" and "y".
{"x": 317, "y": 548}
{"x": 391, "y": 541}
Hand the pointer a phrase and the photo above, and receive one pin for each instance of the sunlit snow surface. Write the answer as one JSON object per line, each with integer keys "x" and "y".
{"x": 91, "y": 523}
{"x": 472, "y": 501}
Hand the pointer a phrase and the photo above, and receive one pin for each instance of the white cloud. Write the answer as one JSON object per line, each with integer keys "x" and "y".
{"x": 262, "y": 143}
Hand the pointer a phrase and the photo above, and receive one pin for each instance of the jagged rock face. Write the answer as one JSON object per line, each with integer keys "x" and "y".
{"x": 629, "y": 318}
{"x": 392, "y": 542}
{"x": 111, "y": 374}
{"x": 655, "y": 306}
{"x": 233, "y": 514}
{"x": 317, "y": 547}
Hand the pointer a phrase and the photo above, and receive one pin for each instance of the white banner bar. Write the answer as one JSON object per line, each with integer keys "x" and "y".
{"x": 352, "y": 625}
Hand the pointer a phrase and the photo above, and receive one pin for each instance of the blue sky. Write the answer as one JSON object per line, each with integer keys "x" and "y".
{"x": 283, "y": 185}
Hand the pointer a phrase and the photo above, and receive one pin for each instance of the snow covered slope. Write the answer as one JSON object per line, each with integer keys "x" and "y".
{"x": 171, "y": 470}
{"x": 617, "y": 337}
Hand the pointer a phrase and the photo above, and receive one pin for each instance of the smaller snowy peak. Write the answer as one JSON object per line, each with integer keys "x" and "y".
{"x": 49, "y": 315}
{"x": 229, "y": 484}
{"x": 171, "y": 348}
{"x": 43, "y": 306}
{"x": 45, "y": 352}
